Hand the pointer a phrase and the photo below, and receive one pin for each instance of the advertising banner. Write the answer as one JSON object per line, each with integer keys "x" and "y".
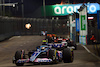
{"x": 83, "y": 25}
{"x": 77, "y": 24}
{"x": 83, "y": 40}
{"x": 70, "y": 17}
{"x": 83, "y": 22}
{"x": 98, "y": 19}
{"x": 66, "y": 9}
{"x": 80, "y": 39}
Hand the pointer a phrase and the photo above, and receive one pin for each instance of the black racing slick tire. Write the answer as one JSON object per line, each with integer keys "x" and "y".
{"x": 68, "y": 55}
{"x": 19, "y": 55}
{"x": 19, "y": 64}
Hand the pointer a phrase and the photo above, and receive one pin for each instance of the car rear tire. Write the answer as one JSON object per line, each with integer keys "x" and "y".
{"x": 68, "y": 55}
{"x": 19, "y": 64}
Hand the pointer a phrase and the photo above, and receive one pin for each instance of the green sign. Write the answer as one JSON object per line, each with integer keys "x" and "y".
{"x": 60, "y": 10}
{"x": 83, "y": 22}
{"x": 66, "y": 9}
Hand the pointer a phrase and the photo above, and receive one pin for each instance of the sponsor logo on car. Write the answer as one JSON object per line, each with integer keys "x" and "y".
{"x": 44, "y": 60}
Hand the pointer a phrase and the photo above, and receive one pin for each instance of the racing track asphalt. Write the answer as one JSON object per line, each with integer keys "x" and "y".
{"x": 7, "y": 49}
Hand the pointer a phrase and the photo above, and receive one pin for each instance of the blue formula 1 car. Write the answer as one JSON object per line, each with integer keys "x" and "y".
{"x": 43, "y": 54}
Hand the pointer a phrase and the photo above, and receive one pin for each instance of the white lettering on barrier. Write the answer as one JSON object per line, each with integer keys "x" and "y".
{"x": 71, "y": 9}
{"x": 92, "y": 8}
{"x": 75, "y": 8}
{"x": 59, "y": 10}
{"x": 63, "y": 8}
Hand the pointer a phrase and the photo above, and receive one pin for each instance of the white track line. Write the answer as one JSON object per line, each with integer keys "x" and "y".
{"x": 86, "y": 49}
{"x": 14, "y": 37}
{"x": 89, "y": 51}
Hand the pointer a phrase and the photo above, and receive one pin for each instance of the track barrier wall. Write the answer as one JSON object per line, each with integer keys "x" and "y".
{"x": 10, "y": 26}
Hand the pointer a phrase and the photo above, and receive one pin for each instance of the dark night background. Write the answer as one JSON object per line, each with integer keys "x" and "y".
{"x": 32, "y": 8}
